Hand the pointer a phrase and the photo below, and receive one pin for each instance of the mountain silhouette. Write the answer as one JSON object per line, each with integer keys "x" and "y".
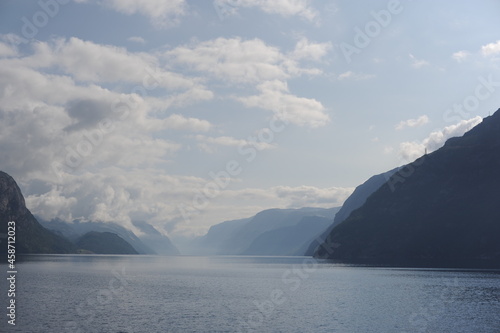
{"x": 441, "y": 210}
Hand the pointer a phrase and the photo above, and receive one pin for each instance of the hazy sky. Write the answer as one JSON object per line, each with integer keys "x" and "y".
{"x": 188, "y": 113}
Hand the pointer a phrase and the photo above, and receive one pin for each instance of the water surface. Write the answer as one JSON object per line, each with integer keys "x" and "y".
{"x": 65, "y": 293}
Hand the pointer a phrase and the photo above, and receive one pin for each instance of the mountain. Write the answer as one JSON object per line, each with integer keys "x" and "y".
{"x": 149, "y": 242}
{"x": 160, "y": 243}
{"x": 30, "y": 236}
{"x": 355, "y": 200}
{"x": 255, "y": 235}
{"x": 104, "y": 243}
{"x": 289, "y": 240}
{"x": 441, "y": 210}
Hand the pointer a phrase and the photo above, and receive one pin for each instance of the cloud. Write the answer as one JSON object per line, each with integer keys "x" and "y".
{"x": 286, "y": 8}
{"x": 51, "y": 115}
{"x": 86, "y": 61}
{"x": 238, "y": 203}
{"x": 417, "y": 63}
{"x": 69, "y": 124}
{"x": 180, "y": 122}
{"x": 275, "y": 96}
{"x": 309, "y": 196}
{"x": 92, "y": 125}
{"x": 304, "y": 49}
{"x": 7, "y": 50}
{"x": 161, "y": 13}
{"x": 422, "y": 120}
{"x": 111, "y": 196}
{"x": 246, "y": 61}
{"x": 491, "y": 49}
{"x": 233, "y": 59}
{"x": 349, "y": 75}
{"x": 207, "y": 143}
{"x": 409, "y": 151}
{"x": 136, "y": 39}
{"x": 460, "y": 56}
{"x": 253, "y": 63}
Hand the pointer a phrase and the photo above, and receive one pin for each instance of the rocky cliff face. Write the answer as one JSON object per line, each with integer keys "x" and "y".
{"x": 31, "y": 237}
{"x": 441, "y": 210}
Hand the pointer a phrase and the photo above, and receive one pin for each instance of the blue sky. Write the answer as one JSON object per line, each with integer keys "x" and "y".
{"x": 187, "y": 113}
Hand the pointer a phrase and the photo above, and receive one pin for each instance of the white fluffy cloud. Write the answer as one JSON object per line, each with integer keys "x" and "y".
{"x": 275, "y": 96}
{"x": 136, "y": 39}
{"x": 409, "y": 151}
{"x": 253, "y": 62}
{"x": 350, "y": 75}
{"x": 305, "y": 49}
{"x": 247, "y": 61}
{"x": 491, "y": 49}
{"x": 422, "y": 120}
{"x": 301, "y": 8}
{"x": 417, "y": 63}
{"x": 460, "y": 56}
{"x": 208, "y": 144}
{"x": 235, "y": 204}
{"x": 162, "y": 13}
{"x": 7, "y": 50}
{"x": 82, "y": 121}
{"x": 96, "y": 151}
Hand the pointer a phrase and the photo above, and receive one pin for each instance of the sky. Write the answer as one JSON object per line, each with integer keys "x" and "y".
{"x": 188, "y": 113}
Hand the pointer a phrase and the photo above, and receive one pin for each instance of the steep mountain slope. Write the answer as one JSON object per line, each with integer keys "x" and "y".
{"x": 150, "y": 241}
{"x": 441, "y": 210}
{"x": 104, "y": 243}
{"x": 355, "y": 200}
{"x": 30, "y": 236}
{"x": 237, "y": 237}
{"x": 290, "y": 240}
{"x": 161, "y": 244}
{"x": 76, "y": 229}
{"x": 217, "y": 236}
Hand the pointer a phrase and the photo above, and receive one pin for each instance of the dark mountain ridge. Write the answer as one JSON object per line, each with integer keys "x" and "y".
{"x": 354, "y": 201}
{"x": 30, "y": 236}
{"x": 269, "y": 232}
{"x": 150, "y": 241}
{"x": 441, "y": 210}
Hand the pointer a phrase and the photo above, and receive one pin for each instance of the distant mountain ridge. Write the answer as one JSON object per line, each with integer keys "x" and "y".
{"x": 32, "y": 237}
{"x": 104, "y": 243}
{"x": 149, "y": 242}
{"x": 269, "y": 232}
{"x": 441, "y": 210}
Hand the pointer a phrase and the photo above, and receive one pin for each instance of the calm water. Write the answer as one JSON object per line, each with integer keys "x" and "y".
{"x": 245, "y": 294}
